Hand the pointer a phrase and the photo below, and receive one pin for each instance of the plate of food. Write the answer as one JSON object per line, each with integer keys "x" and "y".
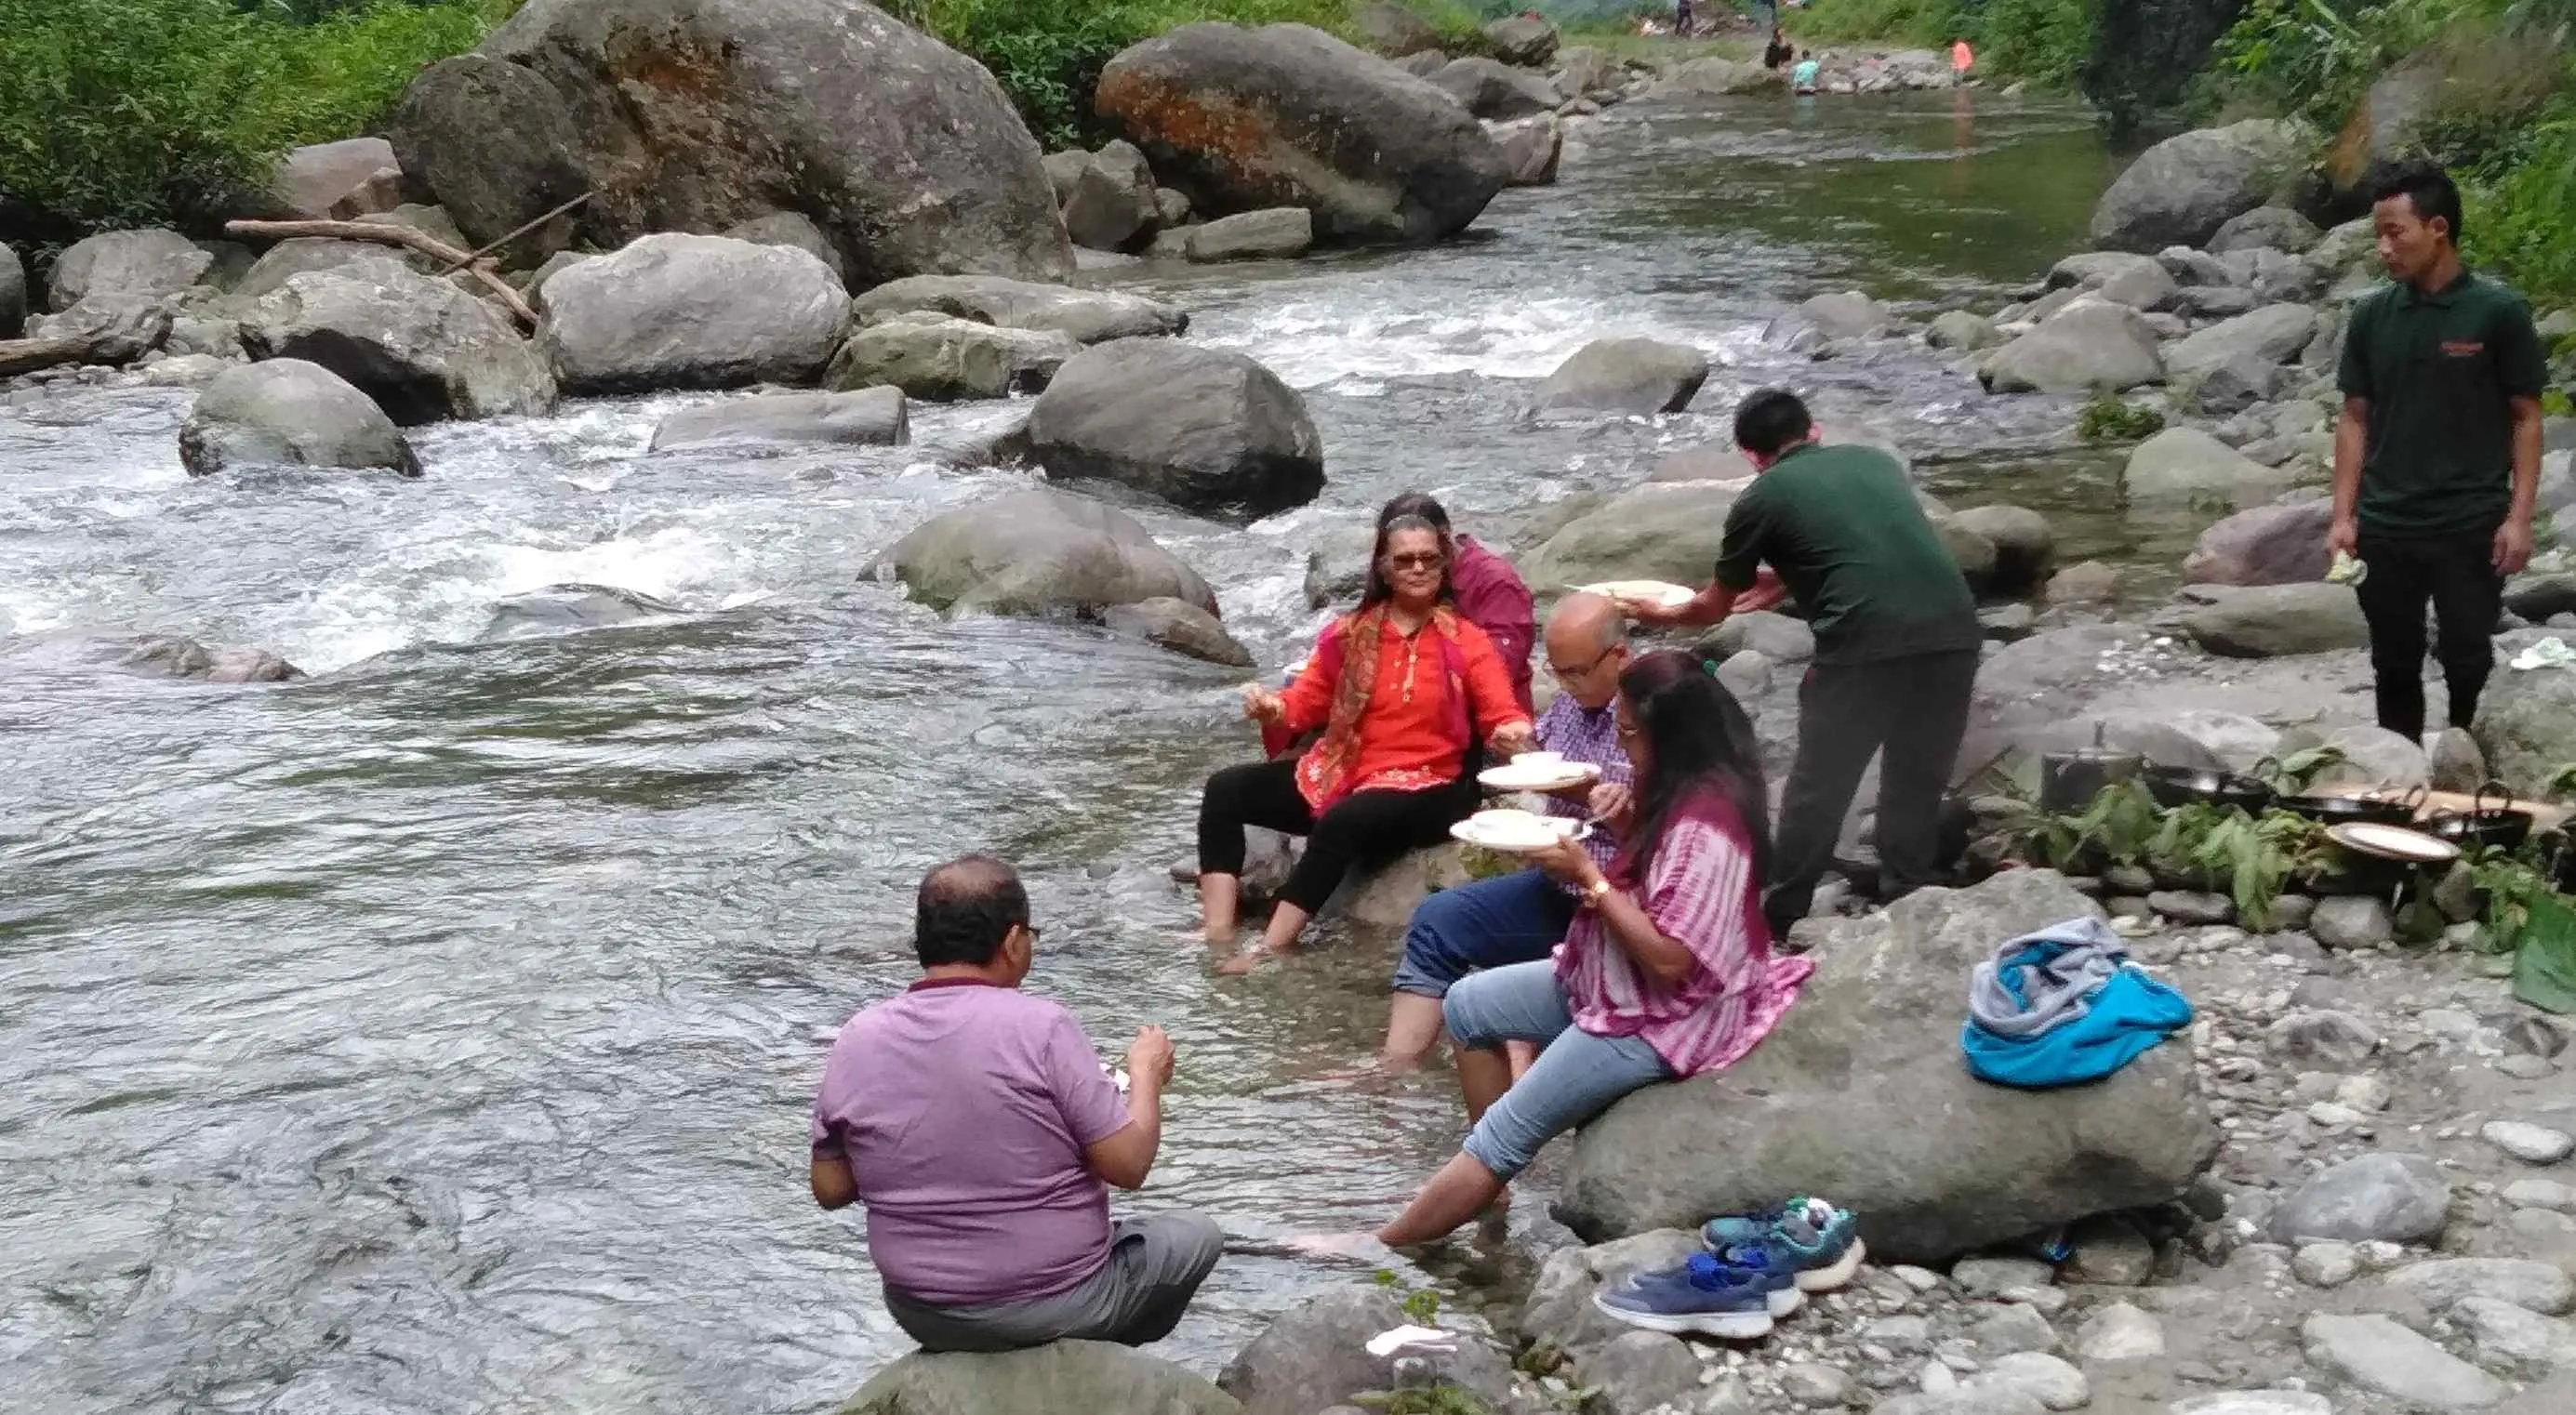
{"x": 1518, "y": 832}
{"x": 1657, "y": 592}
{"x": 1537, "y": 771}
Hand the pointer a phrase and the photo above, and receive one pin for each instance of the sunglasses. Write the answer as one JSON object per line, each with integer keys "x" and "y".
{"x": 1421, "y": 560}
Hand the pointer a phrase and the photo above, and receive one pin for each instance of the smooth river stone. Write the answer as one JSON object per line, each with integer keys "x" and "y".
{"x": 2531, "y": 1144}
{"x": 2375, "y": 1352}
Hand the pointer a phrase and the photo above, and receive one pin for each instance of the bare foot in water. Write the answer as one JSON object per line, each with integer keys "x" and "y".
{"x": 1246, "y": 961}
{"x": 1346, "y": 1247}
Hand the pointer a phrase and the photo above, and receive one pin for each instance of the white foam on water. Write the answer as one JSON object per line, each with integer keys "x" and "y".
{"x": 1353, "y": 339}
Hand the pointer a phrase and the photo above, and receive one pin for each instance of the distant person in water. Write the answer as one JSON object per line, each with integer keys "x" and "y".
{"x": 1962, "y": 59}
{"x": 975, "y": 1123}
{"x": 1681, "y": 19}
{"x": 1778, "y": 51}
{"x": 1802, "y": 79}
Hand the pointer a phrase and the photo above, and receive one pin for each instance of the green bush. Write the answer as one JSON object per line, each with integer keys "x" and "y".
{"x": 144, "y": 112}
{"x": 2042, "y": 40}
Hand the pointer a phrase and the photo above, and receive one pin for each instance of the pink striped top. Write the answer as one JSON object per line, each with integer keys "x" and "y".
{"x": 1700, "y": 891}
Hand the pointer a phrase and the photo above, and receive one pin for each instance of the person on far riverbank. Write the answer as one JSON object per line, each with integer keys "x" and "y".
{"x": 1404, "y": 688}
{"x": 1667, "y": 969}
{"x": 975, "y": 1123}
{"x": 2437, "y": 450}
{"x": 1803, "y": 79}
{"x": 1896, "y": 644}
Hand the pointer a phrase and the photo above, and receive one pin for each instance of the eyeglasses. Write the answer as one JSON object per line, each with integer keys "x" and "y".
{"x": 1420, "y": 560}
{"x": 1032, "y": 931}
{"x": 1629, "y": 732}
{"x": 1568, "y": 675}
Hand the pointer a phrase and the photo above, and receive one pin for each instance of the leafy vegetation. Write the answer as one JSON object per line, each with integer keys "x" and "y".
{"x": 2106, "y": 418}
{"x": 2042, "y": 40}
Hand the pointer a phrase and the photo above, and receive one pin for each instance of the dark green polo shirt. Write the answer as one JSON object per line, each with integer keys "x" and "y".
{"x": 2438, "y": 370}
{"x": 1843, "y": 528}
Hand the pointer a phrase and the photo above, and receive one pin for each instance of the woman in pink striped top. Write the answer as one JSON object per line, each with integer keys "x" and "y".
{"x": 1667, "y": 971}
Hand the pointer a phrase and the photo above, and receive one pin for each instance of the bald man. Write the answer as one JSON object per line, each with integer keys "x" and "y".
{"x": 1520, "y": 917}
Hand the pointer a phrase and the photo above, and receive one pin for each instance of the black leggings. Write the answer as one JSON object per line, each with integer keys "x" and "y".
{"x": 1365, "y": 828}
{"x": 2456, "y": 575}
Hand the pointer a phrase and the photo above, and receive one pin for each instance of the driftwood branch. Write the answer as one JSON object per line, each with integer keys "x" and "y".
{"x": 387, "y": 234}
{"x": 522, "y": 229}
{"x": 19, "y": 356}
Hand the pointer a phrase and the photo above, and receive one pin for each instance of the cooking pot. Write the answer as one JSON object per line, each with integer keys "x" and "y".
{"x": 2355, "y": 810}
{"x": 2562, "y": 864}
{"x": 2175, "y": 786}
{"x": 2068, "y": 781}
{"x": 2482, "y": 825}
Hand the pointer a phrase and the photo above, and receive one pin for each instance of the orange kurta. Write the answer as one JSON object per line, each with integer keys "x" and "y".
{"x": 1413, "y": 734}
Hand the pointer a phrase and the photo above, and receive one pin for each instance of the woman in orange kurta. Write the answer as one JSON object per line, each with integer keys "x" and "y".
{"x": 1401, "y": 688}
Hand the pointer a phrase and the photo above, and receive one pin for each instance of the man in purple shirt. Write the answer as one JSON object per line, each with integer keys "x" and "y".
{"x": 976, "y": 1124}
{"x": 1519, "y": 917}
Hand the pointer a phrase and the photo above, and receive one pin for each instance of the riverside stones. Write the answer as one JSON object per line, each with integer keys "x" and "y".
{"x": 2527, "y": 725}
{"x": 13, "y": 293}
{"x": 680, "y": 311}
{"x": 1627, "y": 376}
{"x": 2531, "y": 1144}
{"x": 2280, "y": 544}
{"x": 1208, "y": 430}
{"x": 1037, "y": 552}
{"x": 2376, "y": 1353}
{"x": 792, "y": 229}
{"x": 2185, "y": 461}
{"x": 1045, "y": 1380}
{"x": 2351, "y": 921}
{"x": 2533, "y": 1286}
{"x": 1798, "y": 1116}
{"x": 2182, "y": 190}
{"x": 939, "y": 358}
{"x": 1531, "y": 148}
{"x": 2269, "y": 621}
{"x": 1316, "y": 1355}
{"x": 496, "y": 143}
{"x": 422, "y": 348}
{"x": 2514, "y": 1340}
{"x": 2025, "y": 545}
{"x": 2391, "y": 1197}
{"x": 1659, "y": 530}
{"x": 287, "y": 412}
{"x": 1090, "y": 316}
{"x": 1492, "y": 90}
{"x": 2273, "y": 334}
{"x": 1111, "y": 205}
{"x": 1393, "y": 30}
{"x": 146, "y": 265}
{"x": 312, "y": 182}
{"x": 1285, "y": 115}
{"x": 1180, "y": 626}
{"x": 1522, "y": 39}
{"x": 1282, "y": 233}
{"x": 2265, "y": 228}
{"x": 873, "y": 417}
{"x": 2084, "y": 347}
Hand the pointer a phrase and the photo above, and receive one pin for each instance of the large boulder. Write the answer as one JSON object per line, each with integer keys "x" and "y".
{"x": 1090, "y": 316}
{"x": 1038, "y": 552}
{"x": 872, "y": 417}
{"x": 2274, "y": 334}
{"x": 306, "y": 255}
{"x": 1182, "y": 627}
{"x": 1053, "y": 1379}
{"x": 148, "y": 265}
{"x": 1657, "y": 531}
{"x": 2275, "y": 228}
{"x": 1495, "y": 90}
{"x": 287, "y": 412}
{"x": 422, "y": 348}
{"x": 2088, "y": 346}
{"x": 2280, "y": 544}
{"x": 692, "y": 115}
{"x": 2527, "y": 724}
{"x": 674, "y": 311}
{"x": 1625, "y": 376}
{"x": 1281, "y": 233}
{"x": 2268, "y": 621}
{"x": 1109, "y": 205}
{"x": 2185, "y": 461}
{"x": 312, "y": 182}
{"x": 497, "y": 145}
{"x": 13, "y": 294}
{"x": 1286, "y": 115}
{"x": 1393, "y": 30}
{"x": 1208, "y": 430}
{"x": 2472, "y": 82}
{"x": 1719, "y": 78}
{"x": 1522, "y": 39}
{"x": 1316, "y": 1356}
{"x": 792, "y": 229}
{"x": 1860, "y": 1093}
{"x": 2179, "y": 192}
{"x": 943, "y": 359}
{"x": 1532, "y": 148}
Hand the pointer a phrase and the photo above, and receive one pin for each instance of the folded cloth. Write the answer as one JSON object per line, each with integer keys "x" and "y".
{"x": 2064, "y": 1006}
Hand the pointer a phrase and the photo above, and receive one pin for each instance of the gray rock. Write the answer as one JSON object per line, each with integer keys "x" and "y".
{"x": 2386, "y": 1197}
{"x": 1718, "y": 78}
{"x": 2526, "y": 724}
{"x": 1063, "y": 170}
{"x": 1991, "y": 1278}
{"x": 176, "y": 657}
{"x": 2087, "y": 346}
{"x": 2085, "y": 582}
{"x": 2265, "y": 227}
{"x": 1490, "y": 89}
{"x": 498, "y": 146}
{"x": 1582, "y": 69}
{"x": 13, "y": 294}
{"x": 2375, "y": 756}
{"x": 1285, "y": 115}
{"x": 2000, "y": 1328}
{"x": 1961, "y": 329}
{"x": 1659, "y": 530}
{"x": 1641, "y": 1371}
{"x": 1522, "y": 39}
{"x": 1037, "y": 552}
{"x": 2513, "y": 1340}
{"x": 2269, "y": 621}
{"x": 2541, "y": 1194}
{"x": 2048, "y": 1379}
{"x": 1282, "y": 233}
{"x": 1559, "y": 1308}
{"x": 1531, "y": 149}
{"x": 1111, "y": 206}
{"x": 2376, "y": 1353}
{"x": 287, "y": 412}
{"x": 1847, "y": 314}
{"x": 2539, "y": 598}
{"x": 1060, "y": 1376}
{"x": 423, "y": 349}
{"x": 2185, "y": 461}
{"x": 906, "y": 153}
{"x": 2531, "y": 1144}
{"x": 310, "y": 182}
{"x": 2279, "y": 544}
{"x": 2118, "y": 1331}
{"x": 2188, "y": 907}
{"x": 677, "y": 311}
{"x": 794, "y": 230}
{"x": 1625, "y": 376}
{"x": 2351, "y": 921}
{"x": 1090, "y": 316}
{"x": 139, "y": 265}
{"x": 571, "y": 608}
{"x": 873, "y": 417}
{"x": 120, "y": 328}
{"x": 1746, "y": 674}
{"x": 1776, "y": 637}
{"x": 1883, "y": 1005}
{"x": 2533, "y": 1286}
{"x": 2025, "y": 545}
{"x": 1393, "y": 30}
{"x": 303, "y": 254}
{"x": 943, "y": 359}
{"x": 2182, "y": 190}
{"x": 1316, "y": 1355}
{"x": 1816, "y": 1385}
{"x": 1963, "y": 1401}
{"x": 2327, "y": 1265}
{"x": 2274, "y": 334}
{"x": 1182, "y": 627}
{"x": 1205, "y": 429}
{"x": 2243, "y": 381}
{"x": 2254, "y": 1402}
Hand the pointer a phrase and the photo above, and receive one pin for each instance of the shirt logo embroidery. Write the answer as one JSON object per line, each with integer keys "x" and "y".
{"x": 2463, "y": 348}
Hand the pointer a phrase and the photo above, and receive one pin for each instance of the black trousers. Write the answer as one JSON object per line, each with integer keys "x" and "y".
{"x": 1911, "y": 713}
{"x": 1365, "y": 828}
{"x": 2456, "y": 574}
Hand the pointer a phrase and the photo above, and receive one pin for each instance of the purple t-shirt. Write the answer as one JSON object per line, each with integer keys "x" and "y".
{"x": 963, "y": 1111}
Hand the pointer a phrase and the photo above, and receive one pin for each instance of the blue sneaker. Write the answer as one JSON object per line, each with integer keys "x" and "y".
{"x": 1809, "y": 1237}
{"x": 1734, "y": 1295}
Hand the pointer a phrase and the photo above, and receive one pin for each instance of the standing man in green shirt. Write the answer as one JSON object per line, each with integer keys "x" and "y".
{"x": 2437, "y": 452}
{"x": 1896, "y": 645}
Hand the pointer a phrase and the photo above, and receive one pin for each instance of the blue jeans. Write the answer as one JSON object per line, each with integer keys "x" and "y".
{"x": 1574, "y": 1079}
{"x": 1516, "y": 918}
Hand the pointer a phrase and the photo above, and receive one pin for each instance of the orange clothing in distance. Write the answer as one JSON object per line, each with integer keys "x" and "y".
{"x": 1416, "y": 738}
{"x": 1961, "y": 57}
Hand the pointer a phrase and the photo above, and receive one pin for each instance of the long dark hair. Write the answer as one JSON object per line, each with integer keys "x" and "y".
{"x": 1377, "y": 590}
{"x": 1698, "y": 740}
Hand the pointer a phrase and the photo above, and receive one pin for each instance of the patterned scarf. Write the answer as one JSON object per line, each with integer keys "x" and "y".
{"x": 1326, "y": 767}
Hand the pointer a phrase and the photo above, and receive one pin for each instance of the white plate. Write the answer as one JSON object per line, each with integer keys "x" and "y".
{"x": 1537, "y": 776}
{"x": 1517, "y": 832}
{"x": 2393, "y": 842}
{"x": 1662, "y": 592}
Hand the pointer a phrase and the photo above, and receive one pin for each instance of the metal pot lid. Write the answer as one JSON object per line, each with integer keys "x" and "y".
{"x": 2393, "y": 842}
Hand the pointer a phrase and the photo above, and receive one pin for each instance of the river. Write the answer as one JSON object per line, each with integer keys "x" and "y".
{"x": 437, "y": 1034}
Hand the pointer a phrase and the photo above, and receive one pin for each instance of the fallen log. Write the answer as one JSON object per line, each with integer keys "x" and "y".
{"x": 116, "y": 337}
{"x": 19, "y": 356}
{"x": 385, "y": 233}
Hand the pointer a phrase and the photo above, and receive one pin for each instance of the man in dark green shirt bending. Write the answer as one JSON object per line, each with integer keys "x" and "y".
{"x": 1896, "y": 644}
{"x": 2437, "y": 453}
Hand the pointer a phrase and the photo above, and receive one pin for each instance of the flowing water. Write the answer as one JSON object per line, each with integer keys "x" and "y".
{"x": 437, "y": 1033}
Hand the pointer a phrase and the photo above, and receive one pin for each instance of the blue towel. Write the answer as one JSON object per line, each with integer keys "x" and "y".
{"x": 2119, "y": 1016}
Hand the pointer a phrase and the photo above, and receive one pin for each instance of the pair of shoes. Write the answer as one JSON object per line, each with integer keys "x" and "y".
{"x": 1758, "y": 1268}
{"x": 1813, "y": 1240}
